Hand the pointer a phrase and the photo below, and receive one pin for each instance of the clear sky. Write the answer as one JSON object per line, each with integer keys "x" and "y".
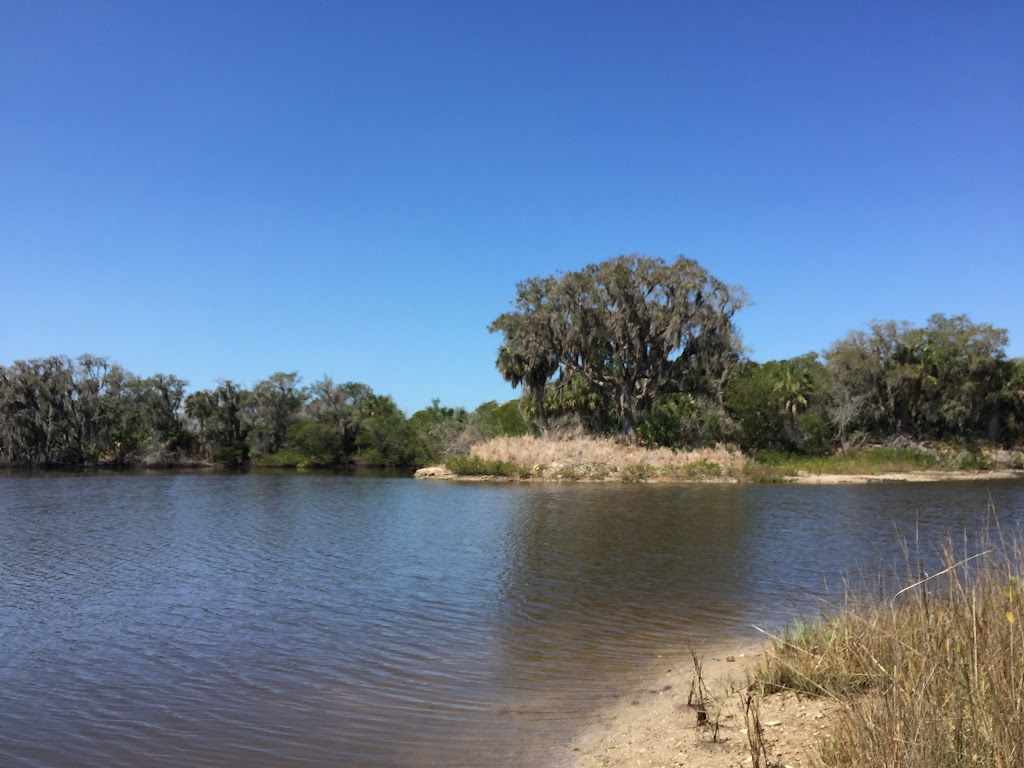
{"x": 228, "y": 188}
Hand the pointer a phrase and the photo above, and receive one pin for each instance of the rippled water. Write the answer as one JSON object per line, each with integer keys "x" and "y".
{"x": 322, "y": 620}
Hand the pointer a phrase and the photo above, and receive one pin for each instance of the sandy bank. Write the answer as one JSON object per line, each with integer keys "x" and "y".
{"x": 655, "y": 725}
{"x": 803, "y": 478}
{"x": 923, "y": 476}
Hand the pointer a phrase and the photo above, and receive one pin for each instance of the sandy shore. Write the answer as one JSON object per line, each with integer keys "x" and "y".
{"x": 924, "y": 476}
{"x": 803, "y": 478}
{"x": 656, "y": 725}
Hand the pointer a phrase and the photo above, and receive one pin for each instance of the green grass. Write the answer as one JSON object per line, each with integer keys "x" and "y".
{"x": 701, "y": 470}
{"x": 772, "y": 466}
{"x": 473, "y": 466}
{"x": 638, "y": 473}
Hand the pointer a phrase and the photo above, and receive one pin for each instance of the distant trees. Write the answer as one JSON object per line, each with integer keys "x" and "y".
{"x": 56, "y": 410}
{"x": 633, "y": 328}
{"x": 631, "y": 345}
{"x": 651, "y": 348}
{"x": 271, "y": 408}
{"x": 777, "y": 405}
{"x": 947, "y": 379}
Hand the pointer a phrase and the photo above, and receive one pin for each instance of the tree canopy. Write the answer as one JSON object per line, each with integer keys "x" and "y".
{"x": 633, "y": 327}
{"x": 946, "y": 379}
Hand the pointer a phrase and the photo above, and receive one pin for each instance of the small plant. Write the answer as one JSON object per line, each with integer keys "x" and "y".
{"x": 700, "y": 470}
{"x": 751, "y": 702}
{"x": 475, "y": 466}
{"x": 569, "y": 472}
{"x": 700, "y": 699}
{"x": 638, "y": 473}
{"x": 286, "y": 457}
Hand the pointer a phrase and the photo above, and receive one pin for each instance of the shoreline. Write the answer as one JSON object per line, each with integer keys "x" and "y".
{"x": 655, "y": 724}
{"x": 801, "y": 478}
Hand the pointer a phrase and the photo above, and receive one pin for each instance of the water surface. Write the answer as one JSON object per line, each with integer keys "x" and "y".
{"x": 322, "y": 620}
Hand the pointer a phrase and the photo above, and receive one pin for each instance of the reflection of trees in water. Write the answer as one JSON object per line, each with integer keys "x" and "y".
{"x": 597, "y": 576}
{"x": 597, "y": 579}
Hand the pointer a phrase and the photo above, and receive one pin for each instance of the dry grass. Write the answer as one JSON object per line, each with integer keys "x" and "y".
{"x": 606, "y": 458}
{"x": 933, "y": 676}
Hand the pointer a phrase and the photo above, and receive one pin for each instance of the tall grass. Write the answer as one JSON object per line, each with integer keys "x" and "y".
{"x": 476, "y": 466}
{"x": 932, "y": 676}
{"x": 598, "y": 457}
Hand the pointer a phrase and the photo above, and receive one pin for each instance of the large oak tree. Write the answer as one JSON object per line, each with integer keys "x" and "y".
{"x": 633, "y": 327}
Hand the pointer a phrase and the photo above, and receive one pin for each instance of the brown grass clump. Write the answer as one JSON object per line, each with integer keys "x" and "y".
{"x": 606, "y": 458}
{"x": 933, "y": 676}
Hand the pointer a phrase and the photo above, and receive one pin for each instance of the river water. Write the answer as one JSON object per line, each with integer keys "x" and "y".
{"x": 324, "y": 620}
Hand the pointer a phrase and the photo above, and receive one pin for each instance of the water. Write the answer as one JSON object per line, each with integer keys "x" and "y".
{"x": 322, "y": 620}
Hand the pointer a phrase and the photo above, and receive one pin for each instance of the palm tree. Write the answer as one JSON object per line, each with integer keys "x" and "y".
{"x": 793, "y": 387}
{"x": 532, "y": 371}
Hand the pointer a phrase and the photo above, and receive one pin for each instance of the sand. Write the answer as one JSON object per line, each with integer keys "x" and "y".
{"x": 657, "y": 726}
{"x": 803, "y": 478}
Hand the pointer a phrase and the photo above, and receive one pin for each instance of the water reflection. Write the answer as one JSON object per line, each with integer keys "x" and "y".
{"x": 283, "y": 619}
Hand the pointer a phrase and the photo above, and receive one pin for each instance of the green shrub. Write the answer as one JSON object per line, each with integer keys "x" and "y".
{"x": 289, "y": 457}
{"x": 700, "y": 470}
{"x": 638, "y": 473}
{"x": 229, "y": 455}
{"x": 474, "y": 466}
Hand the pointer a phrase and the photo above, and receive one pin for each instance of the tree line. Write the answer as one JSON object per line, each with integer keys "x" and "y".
{"x": 59, "y": 411}
{"x": 650, "y": 350}
{"x": 632, "y": 345}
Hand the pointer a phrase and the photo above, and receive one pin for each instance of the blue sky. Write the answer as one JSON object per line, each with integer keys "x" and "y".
{"x": 230, "y": 188}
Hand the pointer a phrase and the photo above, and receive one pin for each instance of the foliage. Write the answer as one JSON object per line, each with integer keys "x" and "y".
{"x": 685, "y": 421}
{"x": 473, "y": 465}
{"x": 271, "y": 407}
{"x": 218, "y": 416}
{"x": 443, "y": 431}
{"x": 770, "y": 402}
{"x": 873, "y": 461}
{"x": 522, "y": 361}
{"x": 633, "y": 327}
{"x": 638, "y": 346}
{"x": 386, "y": 439}
{"x": 316, "y": 443}
{"x": 58, "y": 411}
{"x": 285, "y": 458}
{"x": 946, "y": 379}
{"x": 505, "y": 420}
{"x": 638, "y": 473}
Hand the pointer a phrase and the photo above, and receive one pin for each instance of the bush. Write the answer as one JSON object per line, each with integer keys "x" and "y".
{"x": 229, "y": 455}
{"x": 505, "y": 420}
{"x": 286, "y": 457}
{"x": 472, "y": 465}
{"x": 684, "y": 421}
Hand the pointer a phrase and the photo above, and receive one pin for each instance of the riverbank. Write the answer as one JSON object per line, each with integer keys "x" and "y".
{"x": 595, "y": 459}
{"x": 605, "y": 460}
{"x": 929, "y": 675}
{"x": 657, "y": 724}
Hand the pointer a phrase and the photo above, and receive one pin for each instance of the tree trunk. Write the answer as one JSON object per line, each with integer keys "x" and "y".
{"x": 626, "y": 400}
{"x": 542, "y": 415}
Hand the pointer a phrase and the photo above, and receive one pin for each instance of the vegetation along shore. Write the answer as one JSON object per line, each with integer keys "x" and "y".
{"x": 633, "y": 348}
{"x": 926, "y": 672}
